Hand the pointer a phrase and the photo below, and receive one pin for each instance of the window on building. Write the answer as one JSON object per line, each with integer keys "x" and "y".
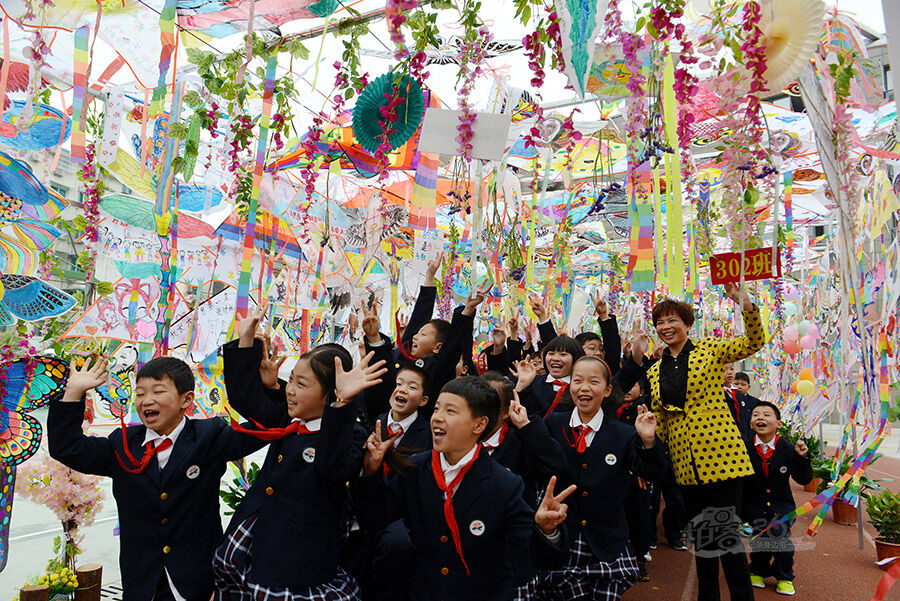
{"x": 61, "y": 190}
{"x": 888, "y": 79}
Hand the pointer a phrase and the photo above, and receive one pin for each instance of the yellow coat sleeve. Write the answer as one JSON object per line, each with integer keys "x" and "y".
{"x": 741, "y": 347}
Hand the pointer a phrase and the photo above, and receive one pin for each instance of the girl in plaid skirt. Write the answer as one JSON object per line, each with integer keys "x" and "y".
{"x": 283, "y": 542}
{"x": 601, "y": 454}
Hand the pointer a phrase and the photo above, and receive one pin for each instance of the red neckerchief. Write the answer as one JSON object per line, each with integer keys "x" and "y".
{"x": 767, "y": 455}
{"x": 448, "y": 501}
{"x": 270, "y": 433}
{"x": 580, "y": 433}
{"x": 149, "y": 452}
{"x": 563, "y": 387}
{"x": 733, "y": 393}
{"x": 621, "y": 410}
{"x": 503, "y": 429}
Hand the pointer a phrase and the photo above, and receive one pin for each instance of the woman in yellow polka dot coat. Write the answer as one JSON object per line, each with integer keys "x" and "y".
{"x": 704, "y": 442}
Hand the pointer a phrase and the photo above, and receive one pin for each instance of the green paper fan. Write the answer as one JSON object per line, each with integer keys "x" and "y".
{"x": 367, "y": 114}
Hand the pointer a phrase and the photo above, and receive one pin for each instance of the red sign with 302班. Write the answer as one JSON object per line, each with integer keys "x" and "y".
{"x": 758, "y": 265}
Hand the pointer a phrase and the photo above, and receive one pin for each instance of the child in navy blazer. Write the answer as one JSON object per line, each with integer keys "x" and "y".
{"x": 284, "y": 538}
{"x": 165, "y": 472}
{"x": 601, "y": 455}
{"x": 767, "y": 497}
{"x": 403, "y": 419}
{"x": 521, "y": 443}
{"x": 472, "y": 530}
{"x": 545, "y": 395}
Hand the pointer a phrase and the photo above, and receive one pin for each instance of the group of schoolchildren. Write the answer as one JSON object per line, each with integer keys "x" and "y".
{"x": 402, "y": 478}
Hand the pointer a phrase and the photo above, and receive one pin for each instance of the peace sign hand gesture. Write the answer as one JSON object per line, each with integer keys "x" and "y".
{"x": 375, "y": 449}
{"x": 552, "y": 511}
{"x": 432, "y": 269}
{"x": 371, "y": 324}
{"x": 476, "y": 298}
{"x": 248, "y": 325}
{"x": 271, "y": 363}
{"x": 600, "y": 306}
{"x": 524, "y": 372}
{"x": 348, "y": 384}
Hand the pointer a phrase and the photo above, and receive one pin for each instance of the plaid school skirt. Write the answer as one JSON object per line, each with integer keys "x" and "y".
{"x": 231, "y": 567}
{"x": 583, "y": 577}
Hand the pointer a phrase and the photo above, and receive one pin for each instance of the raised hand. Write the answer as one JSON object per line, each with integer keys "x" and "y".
{"x": 476, "y": 298}
{"x": 801, "y": 448}
{"x": 552, "y": 511}
{"x": 375, "y": 449}
{"x": 640, "y": 344}
{"x": 741, "y": 297}
{"x": 431, "y": 270}
{"x": 518, "y": 415}
{"x": 247, "y": 327}
{"x": 600, "y": 306}
{"x": 514, "y": 328}
{"x": 402, "y": 322}
{"x": 271, "y": 363}
{"x": 540, "y": 311}
{"x": 645, "y": 424}
{"x": 348, "y": 384}
{"x": 371, "y": 324}
{"x": 86, "y": 377}
{"x": 524, "y": 372}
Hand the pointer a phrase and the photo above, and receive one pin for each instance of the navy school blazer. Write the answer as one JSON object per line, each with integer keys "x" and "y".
{"x": 602, "y": 474}
{"x": 300, "y": 495}
{"x": 167, "y": 519}
{"x": 416, "y": 439}
{"x": 499, "y": 539}
{"x": 766, "y": 498}
{"x": 531, "y": 453}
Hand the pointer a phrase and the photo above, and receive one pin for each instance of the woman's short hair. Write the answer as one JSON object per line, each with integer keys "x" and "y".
{"x": 670, "y": 306}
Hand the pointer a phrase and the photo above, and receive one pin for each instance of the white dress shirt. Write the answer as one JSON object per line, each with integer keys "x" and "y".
{"x": 594, "y": 424}
{"x": 404, "y": 423}
{"x": 556, "y": 387}
{"x": 313, "y": 425}
{"x": 766, "y": 445}
{"x": 450, "y": 471}
{"x": 493, "y": 442}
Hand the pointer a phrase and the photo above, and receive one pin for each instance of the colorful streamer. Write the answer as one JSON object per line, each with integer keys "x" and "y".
{"x": 79, "y": 88}
{"x": 167, "y": 41}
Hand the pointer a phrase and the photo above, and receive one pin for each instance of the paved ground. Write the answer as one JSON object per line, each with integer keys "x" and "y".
{"x": 834, "y": 568}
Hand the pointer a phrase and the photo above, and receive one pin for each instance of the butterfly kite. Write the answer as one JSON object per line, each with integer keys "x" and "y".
{"x": 20, "y": 433}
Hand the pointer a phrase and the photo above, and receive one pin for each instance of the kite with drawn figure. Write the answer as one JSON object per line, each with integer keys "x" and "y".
{"x": 48, "y": 127}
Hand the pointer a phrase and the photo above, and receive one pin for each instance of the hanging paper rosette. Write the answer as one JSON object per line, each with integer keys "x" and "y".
{"x": 367, "y": 118}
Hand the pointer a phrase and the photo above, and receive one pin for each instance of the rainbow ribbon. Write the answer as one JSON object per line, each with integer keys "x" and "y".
{"x": 789, "y": 207}
{"x": 641, "y": 272}
{"x": 250, "y": 230}
{"x": 79, "y": 82}
{"x": 167, "y": 41}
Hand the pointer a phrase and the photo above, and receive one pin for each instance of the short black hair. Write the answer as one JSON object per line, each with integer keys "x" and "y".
{"x": 585, "y": 337}
{"x": 768, "y": 404}
{"x": 501, "y": 384}
{"x": 321, "y": 362}
{"x": 481, "y": 397}
{"x": 442, "y": 326}
{"x": 564, "y": 344}
{"x": 423, "y": 375}
{"x": 174, "y": 369}
{"x": 742, "y": 376}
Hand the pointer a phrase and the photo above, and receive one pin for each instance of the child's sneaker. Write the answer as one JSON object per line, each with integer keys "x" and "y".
{"x": 784, "y": 587}
{"x": 759, "y": 581}
{"x": 642, "y": 572}
{"x": 647, "y": 556}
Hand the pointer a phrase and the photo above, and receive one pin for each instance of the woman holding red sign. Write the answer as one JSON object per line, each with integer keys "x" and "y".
{"x": 707, "y": 451}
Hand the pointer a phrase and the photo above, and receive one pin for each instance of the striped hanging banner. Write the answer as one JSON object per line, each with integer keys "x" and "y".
{"x": 250, "y": 230}
{"x": 167, "y": 235}
{"x": 167, "y": 41}
{"x": 78, "y": 90}
{"x": 423, "y": 200}
{"x": 674, "y": 226}
{"x": 658, "y": 225}
{"x": 789, "y": 208}
{"x": 641, "y": 272}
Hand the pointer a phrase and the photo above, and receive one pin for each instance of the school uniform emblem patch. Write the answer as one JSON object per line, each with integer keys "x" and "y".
{"x": 309, "y": 454}
{"x": 420, "y": 362}
{"x": 783, "y": 469}
{"x": 476, "y": 527}
{"x": 610, "y": 459}
{"x": 193, "y": 472}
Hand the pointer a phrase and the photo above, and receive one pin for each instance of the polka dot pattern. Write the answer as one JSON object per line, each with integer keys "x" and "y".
{"x": 704, "y": 442}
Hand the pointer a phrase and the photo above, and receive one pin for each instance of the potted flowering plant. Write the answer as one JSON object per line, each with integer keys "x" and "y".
{"x": 58, "y": 577}
{"x": 884, "y": 515}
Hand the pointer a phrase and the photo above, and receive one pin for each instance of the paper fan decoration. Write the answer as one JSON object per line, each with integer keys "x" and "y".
{"x": 18, "y": 181}
{"x": 43, "y": 132}
{"x": 367, "y": 113}
{"x": 791, "y": 32}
